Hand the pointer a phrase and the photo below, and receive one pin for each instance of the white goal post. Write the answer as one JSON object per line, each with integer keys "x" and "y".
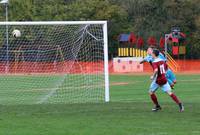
{"x": 54, "y": 62}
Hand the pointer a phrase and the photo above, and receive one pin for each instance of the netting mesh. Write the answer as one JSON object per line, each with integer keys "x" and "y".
{"x": 52, "y": 64}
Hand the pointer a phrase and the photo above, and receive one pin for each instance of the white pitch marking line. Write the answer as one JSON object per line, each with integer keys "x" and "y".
{"x": 52, "y": 92}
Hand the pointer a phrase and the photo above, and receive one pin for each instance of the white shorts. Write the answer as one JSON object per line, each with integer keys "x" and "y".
{"x": 154, "y": 86}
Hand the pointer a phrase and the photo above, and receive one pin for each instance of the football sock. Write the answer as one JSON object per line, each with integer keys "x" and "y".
{"x": 173, "y": 96}
{"x": 154, "y": 99}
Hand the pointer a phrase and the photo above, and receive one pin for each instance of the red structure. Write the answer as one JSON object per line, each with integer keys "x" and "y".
{"x": 140, "y": 42}
{"x": 151, "y": 41}
{"x": 178, "y": 43}
{"x": 132, "y": 39}
{"x": 162, "y": 43}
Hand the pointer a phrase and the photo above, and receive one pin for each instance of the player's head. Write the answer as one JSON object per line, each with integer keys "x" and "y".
{"x": 150, "y": 50}
{"x": 155, "y": 53}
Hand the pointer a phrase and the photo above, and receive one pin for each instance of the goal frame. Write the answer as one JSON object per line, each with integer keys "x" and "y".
{"x": 105, "y": 40}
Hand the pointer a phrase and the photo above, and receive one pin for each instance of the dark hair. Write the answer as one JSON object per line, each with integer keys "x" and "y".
{"x": 156, "y": 52}
{"x": 152, "y": 47}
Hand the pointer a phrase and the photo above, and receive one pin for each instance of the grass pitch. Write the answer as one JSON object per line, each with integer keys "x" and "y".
{"x": 128, "y": 113}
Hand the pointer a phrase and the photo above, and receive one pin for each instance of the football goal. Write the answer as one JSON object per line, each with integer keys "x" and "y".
{"x": 54, "y": 62}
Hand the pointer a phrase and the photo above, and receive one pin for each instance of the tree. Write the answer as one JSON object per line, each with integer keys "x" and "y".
{"x": 143, "y": 17}
{"x": 100, "y": 10}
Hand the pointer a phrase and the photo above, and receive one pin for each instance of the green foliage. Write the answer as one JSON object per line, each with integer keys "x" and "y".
{"x": 143, "y": 17}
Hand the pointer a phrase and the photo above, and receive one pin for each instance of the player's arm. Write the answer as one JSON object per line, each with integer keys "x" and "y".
{"x": 142, "y": 61}
{"x": 154, "y": 74}
{"x": 155, "y": 71}
{"x": 148, "y": 58}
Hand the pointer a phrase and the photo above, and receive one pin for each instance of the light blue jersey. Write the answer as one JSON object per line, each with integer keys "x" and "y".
{"x": 161, "y": 56}
{"x": 149, "y": 58}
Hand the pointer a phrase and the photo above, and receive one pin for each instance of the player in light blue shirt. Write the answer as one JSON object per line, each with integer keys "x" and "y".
{"x": 149, "y": 58}
{"x": 171, "y": 78}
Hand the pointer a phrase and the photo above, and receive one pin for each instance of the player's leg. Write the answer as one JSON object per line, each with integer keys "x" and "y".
{"x": 171, "y": 83}
{"x": 166, "y": 88}
{"x": 171, "y": 78}
{"x": 152, "y": 90}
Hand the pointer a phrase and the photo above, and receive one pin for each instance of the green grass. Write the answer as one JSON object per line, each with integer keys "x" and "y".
{"x": 34, "y": 89}
{"x": 128, "y": 113}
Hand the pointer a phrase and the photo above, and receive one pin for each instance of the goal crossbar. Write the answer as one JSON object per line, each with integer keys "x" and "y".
{"x": 53, "y": 23}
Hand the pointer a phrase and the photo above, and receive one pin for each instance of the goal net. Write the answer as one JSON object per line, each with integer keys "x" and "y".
{"x": 54, "y": 62}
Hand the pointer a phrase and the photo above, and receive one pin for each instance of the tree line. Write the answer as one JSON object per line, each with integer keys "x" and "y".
{"x": 143, "y": 17}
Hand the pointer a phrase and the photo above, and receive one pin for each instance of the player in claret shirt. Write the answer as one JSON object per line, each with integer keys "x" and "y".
{"x": 171, "y": 78}
{"x": 159, "y": 80}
